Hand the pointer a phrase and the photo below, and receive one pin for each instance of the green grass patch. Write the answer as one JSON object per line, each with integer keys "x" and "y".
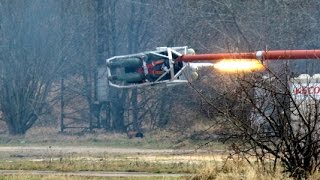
{"x": 96, "y": 164}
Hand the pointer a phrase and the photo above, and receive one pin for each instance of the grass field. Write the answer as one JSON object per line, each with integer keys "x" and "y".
{"x": 191, "y": 166}
{"x": 157, "y": 154}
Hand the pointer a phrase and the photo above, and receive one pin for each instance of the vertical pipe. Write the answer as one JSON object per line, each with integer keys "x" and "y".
{"x": 62, "y": 105}
{"x": 171, "y": 64}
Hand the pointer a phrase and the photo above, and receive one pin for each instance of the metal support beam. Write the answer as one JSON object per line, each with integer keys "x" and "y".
{"x": 261, "y": 55}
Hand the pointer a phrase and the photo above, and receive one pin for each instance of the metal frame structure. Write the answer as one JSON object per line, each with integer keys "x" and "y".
{"x": 164, "y": 52}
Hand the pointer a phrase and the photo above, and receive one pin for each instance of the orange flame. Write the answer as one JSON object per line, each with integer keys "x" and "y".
{"x": 239, "y": 65}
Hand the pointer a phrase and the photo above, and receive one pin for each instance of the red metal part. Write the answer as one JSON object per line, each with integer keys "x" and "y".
{"x": 261, "y": 55}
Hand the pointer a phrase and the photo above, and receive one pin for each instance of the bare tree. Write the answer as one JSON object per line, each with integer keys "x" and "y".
{"x": 270, "y": 122}
{"x": 27, "y": 69}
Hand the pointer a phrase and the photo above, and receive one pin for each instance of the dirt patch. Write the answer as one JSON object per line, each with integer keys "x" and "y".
{"x": 94, "y": 150}
{"x": 90, "y": 173}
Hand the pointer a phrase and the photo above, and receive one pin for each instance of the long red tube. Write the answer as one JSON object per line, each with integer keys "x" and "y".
{"x": 261, "y": 55}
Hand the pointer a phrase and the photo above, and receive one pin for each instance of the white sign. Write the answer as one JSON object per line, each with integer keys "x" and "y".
{"x": 305, "y": 90}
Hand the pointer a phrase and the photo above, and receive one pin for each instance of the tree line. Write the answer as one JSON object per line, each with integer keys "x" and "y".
{"x": 43, "y": 42}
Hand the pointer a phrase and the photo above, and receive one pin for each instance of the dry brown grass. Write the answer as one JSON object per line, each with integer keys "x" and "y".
{"x": 59, "y": 177}
{"x": 50, "y": 136}
{"x": 237, "y": 169}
